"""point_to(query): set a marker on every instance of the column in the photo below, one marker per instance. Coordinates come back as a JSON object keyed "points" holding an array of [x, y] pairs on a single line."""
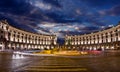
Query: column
{"points": [[3, 46], [118, 34]]}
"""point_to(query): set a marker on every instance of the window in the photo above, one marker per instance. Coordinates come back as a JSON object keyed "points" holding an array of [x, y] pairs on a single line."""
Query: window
{"points": [[6, 27], [1, 37], [1, 31]]}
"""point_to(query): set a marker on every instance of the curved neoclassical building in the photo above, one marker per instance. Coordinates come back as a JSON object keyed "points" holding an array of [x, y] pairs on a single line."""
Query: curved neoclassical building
{"points": [[13, 38], [105, 40], [16, 39]]}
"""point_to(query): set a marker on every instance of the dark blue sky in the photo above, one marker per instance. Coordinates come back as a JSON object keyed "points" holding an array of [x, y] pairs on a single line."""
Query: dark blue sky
{"points": [[61, 16]]}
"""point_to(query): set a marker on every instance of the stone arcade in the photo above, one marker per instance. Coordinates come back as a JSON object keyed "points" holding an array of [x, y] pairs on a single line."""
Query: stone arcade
{"points": [[104, 40], [17, 39]]}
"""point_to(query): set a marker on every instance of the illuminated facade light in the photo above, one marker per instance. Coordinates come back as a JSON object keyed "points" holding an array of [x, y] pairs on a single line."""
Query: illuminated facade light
{"points": [[14, 38], [98, 40]]}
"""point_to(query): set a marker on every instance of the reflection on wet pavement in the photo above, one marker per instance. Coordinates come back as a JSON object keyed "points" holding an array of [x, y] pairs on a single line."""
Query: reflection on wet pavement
{"points": [[105, 62]]}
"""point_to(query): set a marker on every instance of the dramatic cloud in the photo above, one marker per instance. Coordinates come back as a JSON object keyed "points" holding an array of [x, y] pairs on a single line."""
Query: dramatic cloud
{"points": [[101, 3], [114, 11], [52, 2], [61, 17]]}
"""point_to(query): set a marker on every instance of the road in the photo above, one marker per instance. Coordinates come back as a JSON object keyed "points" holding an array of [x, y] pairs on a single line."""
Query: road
{"points": [[107, 62]]}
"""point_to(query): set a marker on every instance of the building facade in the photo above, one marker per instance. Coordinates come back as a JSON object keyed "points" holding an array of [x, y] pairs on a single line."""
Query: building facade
{"points": [[103, 40], [16, 39]]}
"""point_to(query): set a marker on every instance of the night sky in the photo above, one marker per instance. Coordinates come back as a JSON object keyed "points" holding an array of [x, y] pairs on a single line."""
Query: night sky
{"points": [[61, 17]]}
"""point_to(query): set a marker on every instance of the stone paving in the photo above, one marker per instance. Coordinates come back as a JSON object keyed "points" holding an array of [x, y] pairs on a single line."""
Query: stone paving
{"points": [[107, 62]]}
